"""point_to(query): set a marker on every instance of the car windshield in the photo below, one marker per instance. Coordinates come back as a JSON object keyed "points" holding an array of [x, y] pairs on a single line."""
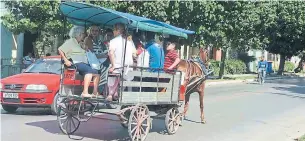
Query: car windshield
{"points": [[52, 66]]}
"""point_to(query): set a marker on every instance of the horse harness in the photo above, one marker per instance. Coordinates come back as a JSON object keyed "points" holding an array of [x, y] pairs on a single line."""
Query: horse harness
{"points": [[192, 81]]}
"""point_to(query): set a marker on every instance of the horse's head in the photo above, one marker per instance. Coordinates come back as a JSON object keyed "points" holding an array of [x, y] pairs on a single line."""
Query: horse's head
{"points": [[203, 55]]}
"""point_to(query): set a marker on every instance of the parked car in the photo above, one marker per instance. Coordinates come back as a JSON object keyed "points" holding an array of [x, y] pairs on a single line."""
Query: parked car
{"points": [[36, 86]]}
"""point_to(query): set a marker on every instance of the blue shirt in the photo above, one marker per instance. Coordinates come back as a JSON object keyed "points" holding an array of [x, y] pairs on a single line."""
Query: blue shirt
{"points": [[156, 55], [262, 64]]}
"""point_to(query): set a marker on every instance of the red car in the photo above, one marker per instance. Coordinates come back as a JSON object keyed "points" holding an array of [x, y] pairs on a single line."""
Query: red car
{"points": [[37, 86]]}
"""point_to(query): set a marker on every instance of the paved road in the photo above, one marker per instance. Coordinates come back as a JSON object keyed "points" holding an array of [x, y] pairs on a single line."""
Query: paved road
{"points": [[239, 112]]}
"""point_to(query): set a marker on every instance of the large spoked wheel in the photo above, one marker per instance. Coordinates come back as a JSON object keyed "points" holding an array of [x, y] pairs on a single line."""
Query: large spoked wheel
{"points": [[172, 120], [67, 116], [126, 115], [139, 123]]}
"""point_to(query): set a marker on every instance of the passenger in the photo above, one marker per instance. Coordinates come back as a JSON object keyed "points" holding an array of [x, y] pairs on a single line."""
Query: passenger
{"points": [[108, 36], [171, 58], [116, 55], [156, 53], [97, 46], [73, 51]]}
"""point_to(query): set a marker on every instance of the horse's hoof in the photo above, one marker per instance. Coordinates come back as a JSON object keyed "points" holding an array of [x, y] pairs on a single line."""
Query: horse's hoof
{"points": [[203, 121]]}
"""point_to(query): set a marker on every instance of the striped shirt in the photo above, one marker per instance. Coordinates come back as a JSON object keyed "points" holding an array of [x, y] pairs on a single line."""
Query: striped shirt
{"points": [[170, 58]]}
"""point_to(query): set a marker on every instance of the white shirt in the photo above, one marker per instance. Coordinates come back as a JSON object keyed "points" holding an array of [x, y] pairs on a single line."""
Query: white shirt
{"points": [[118, 46], [143, 59]]}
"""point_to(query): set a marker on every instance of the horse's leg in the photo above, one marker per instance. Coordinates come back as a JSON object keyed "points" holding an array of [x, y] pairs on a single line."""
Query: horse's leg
{"points": [[201, 96], [186, 104]]}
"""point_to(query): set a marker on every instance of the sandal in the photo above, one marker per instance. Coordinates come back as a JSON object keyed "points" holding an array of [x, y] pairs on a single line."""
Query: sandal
{"points": [[97, 96], [109, 98], [86, 95]]}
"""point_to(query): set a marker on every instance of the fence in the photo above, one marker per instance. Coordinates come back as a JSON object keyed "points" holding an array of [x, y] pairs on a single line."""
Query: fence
{"points": [[10, 66]]}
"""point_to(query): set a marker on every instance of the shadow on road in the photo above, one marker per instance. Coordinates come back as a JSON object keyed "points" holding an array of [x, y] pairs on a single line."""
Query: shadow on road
{"points": [[294, 86], [98, 129]]}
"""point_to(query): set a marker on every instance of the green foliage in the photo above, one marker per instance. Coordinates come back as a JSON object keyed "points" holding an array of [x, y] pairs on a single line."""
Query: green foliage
{"points": [[289, 66], [215, 65], [232, 66], [33, 16]]}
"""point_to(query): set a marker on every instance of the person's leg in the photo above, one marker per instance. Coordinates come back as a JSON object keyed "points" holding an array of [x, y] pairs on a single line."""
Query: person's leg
{"points": [[87, 80], [84, 69], [96, 80]]}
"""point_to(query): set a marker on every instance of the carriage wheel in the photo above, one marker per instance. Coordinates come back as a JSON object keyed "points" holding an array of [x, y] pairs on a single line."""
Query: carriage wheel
{"points": [[172, 120], [66, 116], [139, 123], [126, 115]]}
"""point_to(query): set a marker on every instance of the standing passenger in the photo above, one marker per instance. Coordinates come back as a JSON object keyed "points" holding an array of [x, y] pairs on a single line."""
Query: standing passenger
{"points": [[156, 53], [116, 55]]}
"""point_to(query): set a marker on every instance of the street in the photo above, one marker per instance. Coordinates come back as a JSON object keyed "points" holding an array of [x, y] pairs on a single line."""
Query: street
{"points": [[274, 111]]}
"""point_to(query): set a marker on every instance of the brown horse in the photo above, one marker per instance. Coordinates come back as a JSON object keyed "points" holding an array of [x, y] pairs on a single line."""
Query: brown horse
{"points": [[194, 80]]}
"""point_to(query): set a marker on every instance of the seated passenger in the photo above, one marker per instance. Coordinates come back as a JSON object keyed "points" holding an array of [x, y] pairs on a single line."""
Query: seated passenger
{"points": [[116, 56], [72, 52], [171, 58], [156, 53]]}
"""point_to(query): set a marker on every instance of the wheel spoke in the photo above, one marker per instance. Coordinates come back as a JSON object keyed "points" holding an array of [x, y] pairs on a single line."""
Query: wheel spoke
{"points": [[133, 129], [73, 124], [136, 133], [64, 116], [142, 129]]}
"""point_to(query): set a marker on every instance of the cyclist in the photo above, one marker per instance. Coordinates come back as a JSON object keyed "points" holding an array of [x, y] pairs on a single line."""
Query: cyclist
{"points": [[262, 66]]}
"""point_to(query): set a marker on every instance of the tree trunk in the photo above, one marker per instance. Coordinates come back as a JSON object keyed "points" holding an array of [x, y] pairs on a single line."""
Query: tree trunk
{"points": [[282, 64], [222, 64], [300, 66]]}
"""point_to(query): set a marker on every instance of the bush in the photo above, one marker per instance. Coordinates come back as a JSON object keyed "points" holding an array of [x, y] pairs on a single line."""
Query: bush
{"points": [[232, 66], [215, 65], [289, 66]]}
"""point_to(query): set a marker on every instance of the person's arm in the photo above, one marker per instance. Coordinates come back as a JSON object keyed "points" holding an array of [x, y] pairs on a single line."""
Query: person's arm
{"points": [[66, 61], [177, 61], [111, 56], [88, 43], [63, 50]]}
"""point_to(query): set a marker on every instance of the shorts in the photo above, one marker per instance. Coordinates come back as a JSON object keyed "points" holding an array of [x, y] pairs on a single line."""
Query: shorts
{"points": [[84, 69]]}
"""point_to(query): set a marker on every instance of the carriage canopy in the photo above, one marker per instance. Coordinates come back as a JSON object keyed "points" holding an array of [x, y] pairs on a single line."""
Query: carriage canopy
{"points": [[85, 14]]}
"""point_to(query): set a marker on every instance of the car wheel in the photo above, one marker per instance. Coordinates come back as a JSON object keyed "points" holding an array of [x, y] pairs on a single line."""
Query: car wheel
{"points": [[54, 104], [9, 108]]}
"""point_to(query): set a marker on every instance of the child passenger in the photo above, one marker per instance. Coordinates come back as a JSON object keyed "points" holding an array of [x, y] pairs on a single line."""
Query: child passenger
{"points": [[171, 58]]}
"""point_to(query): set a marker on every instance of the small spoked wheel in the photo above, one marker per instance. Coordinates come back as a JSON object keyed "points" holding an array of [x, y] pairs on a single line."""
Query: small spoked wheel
{"points": [[172, 120], [139, 123], [67, 116]]}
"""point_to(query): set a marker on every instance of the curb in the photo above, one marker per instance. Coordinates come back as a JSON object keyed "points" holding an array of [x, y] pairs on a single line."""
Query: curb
{"points": [[248, 80]]}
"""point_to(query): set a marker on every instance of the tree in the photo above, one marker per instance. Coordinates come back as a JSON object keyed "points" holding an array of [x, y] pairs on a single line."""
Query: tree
{"points": [[284, 28], [41, 17], [229, 25]]}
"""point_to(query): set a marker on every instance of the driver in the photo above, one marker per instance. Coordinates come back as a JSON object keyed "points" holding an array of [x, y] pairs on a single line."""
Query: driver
{"points": [[72, 52]]}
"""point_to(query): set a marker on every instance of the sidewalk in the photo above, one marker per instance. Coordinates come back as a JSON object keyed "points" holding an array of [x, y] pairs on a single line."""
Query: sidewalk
{"points": [[248, 78]]}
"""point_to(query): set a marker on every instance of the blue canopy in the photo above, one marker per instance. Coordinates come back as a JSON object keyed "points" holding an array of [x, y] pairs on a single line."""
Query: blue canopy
{"points": [[85, 14]]}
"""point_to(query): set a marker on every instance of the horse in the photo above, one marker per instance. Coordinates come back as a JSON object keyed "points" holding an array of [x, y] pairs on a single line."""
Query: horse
{"points": [[194, 80]]}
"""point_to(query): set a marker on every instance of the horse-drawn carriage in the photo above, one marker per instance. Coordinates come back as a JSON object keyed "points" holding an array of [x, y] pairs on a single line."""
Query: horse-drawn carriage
{"points": [[140, 90]]}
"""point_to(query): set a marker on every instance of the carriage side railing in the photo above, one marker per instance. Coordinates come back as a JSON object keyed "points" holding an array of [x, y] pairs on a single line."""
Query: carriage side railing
{"points": [[150, 86]]}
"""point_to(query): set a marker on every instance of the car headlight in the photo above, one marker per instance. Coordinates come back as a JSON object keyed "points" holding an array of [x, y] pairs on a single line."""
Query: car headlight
{"points": [[37, 87]]}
